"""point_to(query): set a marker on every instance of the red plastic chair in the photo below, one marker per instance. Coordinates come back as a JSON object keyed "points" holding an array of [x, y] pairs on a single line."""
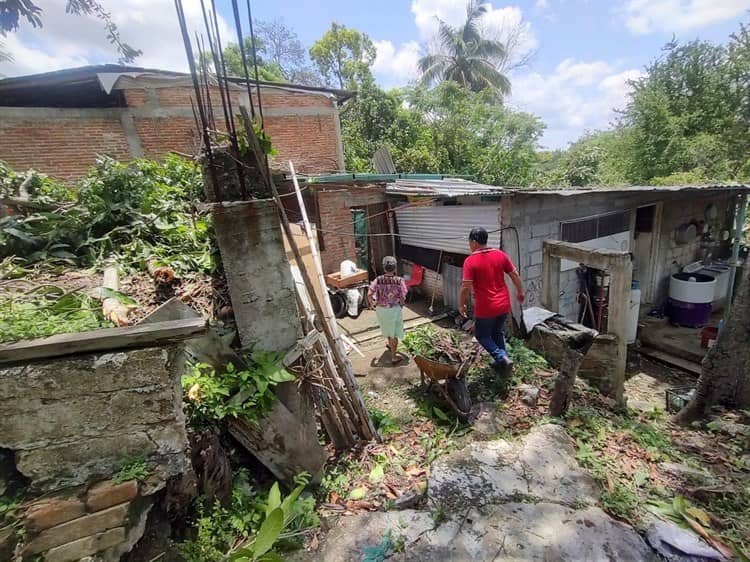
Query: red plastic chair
{"points": [[417, 274]]}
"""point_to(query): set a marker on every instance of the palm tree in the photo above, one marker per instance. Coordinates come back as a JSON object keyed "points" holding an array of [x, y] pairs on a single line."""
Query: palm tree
{"points": [[465, 56]]}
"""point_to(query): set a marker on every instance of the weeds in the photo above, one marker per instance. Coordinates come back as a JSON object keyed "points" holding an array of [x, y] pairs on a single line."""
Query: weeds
{"points": [[213, 396], [384, 423], [258, 523], [133, 469], [47, 311]]}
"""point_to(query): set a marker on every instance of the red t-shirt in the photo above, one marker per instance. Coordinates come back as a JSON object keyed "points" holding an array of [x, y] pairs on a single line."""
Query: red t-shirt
{"points": [[486, 269]]}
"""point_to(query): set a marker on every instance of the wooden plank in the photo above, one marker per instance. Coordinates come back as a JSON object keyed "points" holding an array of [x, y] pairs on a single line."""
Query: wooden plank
{"points": [[672, 360], [108, 339]]}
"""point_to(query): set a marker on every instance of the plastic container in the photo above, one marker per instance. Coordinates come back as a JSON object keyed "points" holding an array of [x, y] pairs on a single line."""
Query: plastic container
{"points": [[633, 312], [708, 336]]}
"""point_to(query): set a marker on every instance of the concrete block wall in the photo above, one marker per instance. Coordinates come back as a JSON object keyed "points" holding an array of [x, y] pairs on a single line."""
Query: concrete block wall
{"points": [[68, 425], [538, 218], [335, 209], [63, 143], [673, 256]]}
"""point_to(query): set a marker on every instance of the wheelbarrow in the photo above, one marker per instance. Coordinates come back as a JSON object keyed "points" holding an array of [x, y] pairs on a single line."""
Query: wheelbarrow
{"points": [[447, 381]]}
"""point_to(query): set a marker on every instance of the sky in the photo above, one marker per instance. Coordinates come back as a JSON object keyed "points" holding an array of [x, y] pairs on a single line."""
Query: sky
{"points": [[579, 54]]}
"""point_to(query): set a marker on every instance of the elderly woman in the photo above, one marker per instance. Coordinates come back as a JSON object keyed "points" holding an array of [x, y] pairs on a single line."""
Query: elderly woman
{"points": [[387, 294]]}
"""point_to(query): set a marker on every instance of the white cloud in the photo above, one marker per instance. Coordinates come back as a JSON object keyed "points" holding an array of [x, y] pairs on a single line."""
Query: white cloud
{"points": [[648, 16], [396, 66], [582, 73], [541, 4], [576, 97], [67, 40]]}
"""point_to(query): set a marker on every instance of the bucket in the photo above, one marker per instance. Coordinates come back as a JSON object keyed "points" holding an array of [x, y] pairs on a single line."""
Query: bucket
{"points": [[708, 336]]}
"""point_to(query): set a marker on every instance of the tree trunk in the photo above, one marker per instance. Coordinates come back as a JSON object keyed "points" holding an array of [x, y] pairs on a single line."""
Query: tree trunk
{"points": [[725, 378], [573, 354]]}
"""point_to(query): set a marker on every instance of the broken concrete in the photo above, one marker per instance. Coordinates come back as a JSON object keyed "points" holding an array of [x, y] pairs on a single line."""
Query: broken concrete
{"points": [[498, 500], [513, 531], [541, 466]]}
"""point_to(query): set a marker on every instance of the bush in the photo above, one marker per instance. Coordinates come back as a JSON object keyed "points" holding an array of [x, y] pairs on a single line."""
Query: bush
{"points": [[135, 213]]}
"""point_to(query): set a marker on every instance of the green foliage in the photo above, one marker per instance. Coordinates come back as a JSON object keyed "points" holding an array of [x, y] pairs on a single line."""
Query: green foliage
{"points": [[466, 57], [268, 522], [419, 341], [344, 56], [137, 212], [212, 396], [525, 361], [133, 469], [46, 311], [384, 423], [384, 549], [448, 129]]}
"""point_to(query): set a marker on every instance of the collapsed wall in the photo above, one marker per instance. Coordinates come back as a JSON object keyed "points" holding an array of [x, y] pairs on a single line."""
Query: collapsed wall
{"points": [[69, 425]]}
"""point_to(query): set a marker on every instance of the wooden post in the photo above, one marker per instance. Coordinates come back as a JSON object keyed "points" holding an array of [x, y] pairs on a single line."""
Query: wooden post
{"points": [[574, 350], [621, 278], [550, 279]]}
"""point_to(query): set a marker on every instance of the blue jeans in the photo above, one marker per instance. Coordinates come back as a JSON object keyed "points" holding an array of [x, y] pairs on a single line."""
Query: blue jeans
{"points": [[489, 333]]}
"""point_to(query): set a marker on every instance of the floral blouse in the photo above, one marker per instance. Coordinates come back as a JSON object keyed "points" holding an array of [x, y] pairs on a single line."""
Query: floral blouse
{"points": [[388, 291]]}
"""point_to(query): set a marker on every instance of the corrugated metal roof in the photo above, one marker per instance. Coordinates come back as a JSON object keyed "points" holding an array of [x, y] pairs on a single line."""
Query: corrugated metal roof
{"points": [[455, 187], [90, 72], [446, 227]]}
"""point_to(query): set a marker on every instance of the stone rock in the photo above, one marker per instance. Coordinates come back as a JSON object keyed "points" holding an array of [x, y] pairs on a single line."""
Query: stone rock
{"points": [[72, 420], [686, 472], [529, 394], [485, 416], [78, 528], [8, 540], [53, 511], [513, 531], [676, 544], [78, 549], [731, 428], [541, 465]]}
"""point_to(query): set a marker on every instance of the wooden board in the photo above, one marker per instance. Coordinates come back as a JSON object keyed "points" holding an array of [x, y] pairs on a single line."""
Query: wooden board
{"points": [[108, 339], [335, 280], [669, 359]]}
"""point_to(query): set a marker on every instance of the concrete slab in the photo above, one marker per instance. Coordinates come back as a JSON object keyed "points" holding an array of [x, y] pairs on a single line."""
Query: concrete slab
{"points": [[541, 466], [514, 531], [684, 343]]}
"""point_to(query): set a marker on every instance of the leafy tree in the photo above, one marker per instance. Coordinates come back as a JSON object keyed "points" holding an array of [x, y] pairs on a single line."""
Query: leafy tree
{"points": [[465, 57], [344, 56], [448, 129], [233, 61], [11, 11], [688, 114], [281, 48]]}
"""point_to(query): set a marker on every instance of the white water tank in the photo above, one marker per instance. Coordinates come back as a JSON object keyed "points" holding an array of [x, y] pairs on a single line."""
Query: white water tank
{"points": [[634, 308]]}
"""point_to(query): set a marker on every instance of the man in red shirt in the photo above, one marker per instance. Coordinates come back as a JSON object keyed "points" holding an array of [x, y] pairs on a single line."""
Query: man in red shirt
{"points": [[484, 275]]}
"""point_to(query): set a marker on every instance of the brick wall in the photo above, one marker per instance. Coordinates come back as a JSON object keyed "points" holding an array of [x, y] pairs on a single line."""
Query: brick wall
{"points": [[335, 206], [60, 145], [64, 143]]}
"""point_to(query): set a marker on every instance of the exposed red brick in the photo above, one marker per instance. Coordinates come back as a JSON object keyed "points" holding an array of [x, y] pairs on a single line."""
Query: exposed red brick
{"points": [[106, 494], [53, 511], [86, 546], [78, 528]]}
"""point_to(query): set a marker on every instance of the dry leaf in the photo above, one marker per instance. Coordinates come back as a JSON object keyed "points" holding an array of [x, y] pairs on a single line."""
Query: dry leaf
{"points": [[314, 543], [726, 551], [333, 497], [575, 422], [415, 471], [700, 515], [390, 492]]}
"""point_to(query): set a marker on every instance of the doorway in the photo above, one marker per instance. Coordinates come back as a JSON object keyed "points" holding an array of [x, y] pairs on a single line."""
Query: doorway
{"points": [[645, 248], [361, 246]]}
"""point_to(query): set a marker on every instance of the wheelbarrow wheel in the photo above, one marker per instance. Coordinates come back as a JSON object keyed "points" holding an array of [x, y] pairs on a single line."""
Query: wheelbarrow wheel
{"points": [[338, 304], [460, 395]]}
